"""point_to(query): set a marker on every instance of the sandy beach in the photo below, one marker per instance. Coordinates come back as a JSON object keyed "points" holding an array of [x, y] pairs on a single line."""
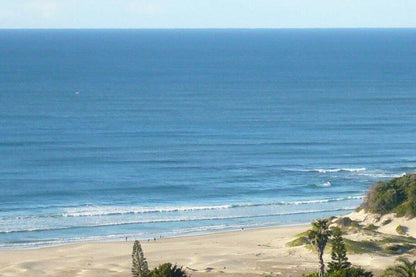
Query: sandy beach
{"points": [[240, 253]]}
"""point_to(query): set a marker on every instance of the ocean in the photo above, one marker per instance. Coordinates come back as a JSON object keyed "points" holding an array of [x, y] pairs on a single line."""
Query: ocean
{"points": [[158, 133]]}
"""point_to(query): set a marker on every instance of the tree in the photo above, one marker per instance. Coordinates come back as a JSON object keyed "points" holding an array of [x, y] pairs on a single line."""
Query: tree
{"points": [[339, 253], [139, 266], [168, 270], [319, 236], [402, 268]]}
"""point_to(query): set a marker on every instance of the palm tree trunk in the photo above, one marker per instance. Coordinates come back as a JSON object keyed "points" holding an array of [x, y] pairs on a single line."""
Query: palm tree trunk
{"points": [[321, 263]]}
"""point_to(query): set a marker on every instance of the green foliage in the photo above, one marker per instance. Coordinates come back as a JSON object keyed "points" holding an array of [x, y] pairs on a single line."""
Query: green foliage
{"points": [[397, 195], [401, 230], [339, 259], [315, 274], [319, 236], [349, 272], [139, 266], [167, 270], [402, 268], [398, 239], [398, 249], [371, 227], [359, 247], [298, 242]]}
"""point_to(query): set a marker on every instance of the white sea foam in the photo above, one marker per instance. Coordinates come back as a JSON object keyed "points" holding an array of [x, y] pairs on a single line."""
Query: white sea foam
{"points": [[171, 220], [334, 170], [323, 185], [97, 211], [118, 210], [378, 174]]}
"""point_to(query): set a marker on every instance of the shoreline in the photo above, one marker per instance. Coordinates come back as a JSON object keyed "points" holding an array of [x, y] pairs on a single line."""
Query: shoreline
{"points": [[251, 252], [121, 238]]}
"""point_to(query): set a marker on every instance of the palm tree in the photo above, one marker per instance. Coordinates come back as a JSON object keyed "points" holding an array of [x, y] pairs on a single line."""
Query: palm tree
{"points": [[319, 236], [403, 268]]}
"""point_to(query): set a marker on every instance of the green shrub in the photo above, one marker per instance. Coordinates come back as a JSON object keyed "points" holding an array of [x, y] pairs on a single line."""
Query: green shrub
{"points": [[298, 242], [395, 196], [401, 230], [371, 227], [398, 240], [402, 267], [315, 274], [167, 270], [350, 272], [398, 249], [359, 247]]}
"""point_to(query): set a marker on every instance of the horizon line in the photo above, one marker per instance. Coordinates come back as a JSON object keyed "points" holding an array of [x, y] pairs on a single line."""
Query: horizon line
{"points": [[212, 28]]}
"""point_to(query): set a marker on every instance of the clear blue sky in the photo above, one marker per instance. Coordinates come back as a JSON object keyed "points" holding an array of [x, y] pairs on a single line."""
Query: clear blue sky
{"points": [[206, 13]]}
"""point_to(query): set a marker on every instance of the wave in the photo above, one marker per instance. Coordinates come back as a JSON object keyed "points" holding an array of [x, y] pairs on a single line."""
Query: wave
{"points": [[382, 175], [111, 210], [170, 220], [335, 170], [323, 185], [327, 170], [97, 211]]}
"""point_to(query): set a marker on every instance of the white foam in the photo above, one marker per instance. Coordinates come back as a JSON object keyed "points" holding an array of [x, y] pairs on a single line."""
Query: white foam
{"points": [[324, 185], [178, 219], [382, 174], [334, 170], [117, 210]]}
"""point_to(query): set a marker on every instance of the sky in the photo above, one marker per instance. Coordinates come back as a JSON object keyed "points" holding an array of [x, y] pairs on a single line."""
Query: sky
{"points": [[207, 13]]}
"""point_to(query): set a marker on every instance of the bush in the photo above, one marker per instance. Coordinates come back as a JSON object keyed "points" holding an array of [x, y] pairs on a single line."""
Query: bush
{"points": [[350, 272], [397, 195], [371, 227], [298, 241], [344, 221], [398, 249], [401, 230], [168, 270], [359, 247]]}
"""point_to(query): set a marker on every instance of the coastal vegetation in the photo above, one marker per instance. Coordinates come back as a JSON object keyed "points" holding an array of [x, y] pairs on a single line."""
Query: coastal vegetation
{"points": [[402, 268], [167, 270], [319, 236], [361, 236], [395, 196], [401, 230], [140, 267], [339, 253], [339, 266], [371, 242]]}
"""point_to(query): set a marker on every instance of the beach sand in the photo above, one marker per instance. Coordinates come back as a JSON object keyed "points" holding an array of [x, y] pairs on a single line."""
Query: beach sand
{"points": [[239, 253]]}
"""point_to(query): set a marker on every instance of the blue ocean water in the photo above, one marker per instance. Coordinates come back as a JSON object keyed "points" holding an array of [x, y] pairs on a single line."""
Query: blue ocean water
{"points": [[147, 133]]}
